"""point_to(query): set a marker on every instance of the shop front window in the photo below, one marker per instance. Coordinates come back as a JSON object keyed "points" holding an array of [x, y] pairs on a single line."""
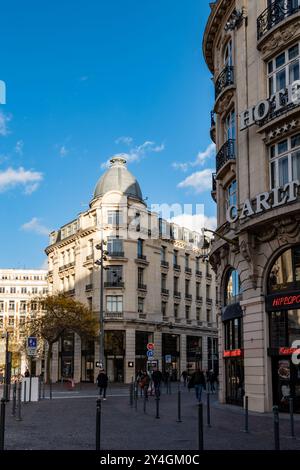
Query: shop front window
{"points": [[233, 334]]}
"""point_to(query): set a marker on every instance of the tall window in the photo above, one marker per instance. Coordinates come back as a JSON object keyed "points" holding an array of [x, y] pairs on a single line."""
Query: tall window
{"points": [[140, 245], [187, 287], [1, 306], [114, 274], [197, 264], [285, 272], [198, 290], [233, 334], [285, 161], [283, 70], [164, 309], [114, 245], [114, 217], [175, 257], [176, 310], [233, 287], [231, 197], [187, 261], [187, 312], [228, 56], [140, 305], [114, 303], [163, 281], [175, 284], [11, 305], [140, 276], [198, 313], [229, 126], [163, 253]]}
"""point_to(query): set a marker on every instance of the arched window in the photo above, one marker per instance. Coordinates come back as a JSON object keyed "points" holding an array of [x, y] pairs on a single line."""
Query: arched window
{"points": [[285, 272], [232, 287], [228, 60]]}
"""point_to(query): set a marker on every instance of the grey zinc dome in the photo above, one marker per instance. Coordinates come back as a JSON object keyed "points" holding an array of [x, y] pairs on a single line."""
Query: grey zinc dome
{"points": [[118, 178]]}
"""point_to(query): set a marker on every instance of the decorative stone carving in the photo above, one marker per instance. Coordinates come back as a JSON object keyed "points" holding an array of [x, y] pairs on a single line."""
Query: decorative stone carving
{"points": [[224, 102], [285, 230], [280, 37], [247, 250]]}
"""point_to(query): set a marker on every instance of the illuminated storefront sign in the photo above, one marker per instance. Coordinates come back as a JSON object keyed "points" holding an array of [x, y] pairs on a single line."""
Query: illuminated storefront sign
{"points": [[283, 301], [264, 202], [277, 102], [288, 351], [233, 353]]}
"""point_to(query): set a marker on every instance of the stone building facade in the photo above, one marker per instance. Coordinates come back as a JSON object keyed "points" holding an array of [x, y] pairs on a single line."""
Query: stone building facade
{"points": [[157, 286], [252, 49], [18, 288]]}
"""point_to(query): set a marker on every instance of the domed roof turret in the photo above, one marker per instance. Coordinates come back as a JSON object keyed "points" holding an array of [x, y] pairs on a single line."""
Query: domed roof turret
{"points": [[118, 178]]}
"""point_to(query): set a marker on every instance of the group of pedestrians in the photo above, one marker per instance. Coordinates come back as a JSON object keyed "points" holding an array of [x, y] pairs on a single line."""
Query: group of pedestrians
{"points": [[200, 382], [149, 382]]}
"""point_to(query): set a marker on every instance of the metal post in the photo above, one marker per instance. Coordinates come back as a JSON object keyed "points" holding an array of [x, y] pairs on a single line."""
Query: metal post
{"points": [[179, 406], [30, 387], [50, 389], [44, 389], [157, 408], [276, 428], [291, 402], [2, 423], [145, 403], [101, 313], [19, 417], [6, 395], [98, 424], [25, 394], [246, 415], [135, 395], [200, 427], [208, 409], [131, 394], [14, 403]]}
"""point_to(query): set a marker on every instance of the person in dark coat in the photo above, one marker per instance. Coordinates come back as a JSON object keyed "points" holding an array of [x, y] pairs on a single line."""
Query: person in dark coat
{"points": [[102, 381], [184, 376], [198, 381], [157, 379]]}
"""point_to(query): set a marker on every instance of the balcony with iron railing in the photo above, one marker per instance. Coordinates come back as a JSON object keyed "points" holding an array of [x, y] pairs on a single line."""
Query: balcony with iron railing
{"points": [[114, 284], [212, 126], [142, 286], [176, 267], [164, 291], [113, 315], [274, 14], [214, 187], [226, 154], [88, 287], [224, 80], [188, 270], [188, 296], [115, 254], [164, 264], [177, 294]]}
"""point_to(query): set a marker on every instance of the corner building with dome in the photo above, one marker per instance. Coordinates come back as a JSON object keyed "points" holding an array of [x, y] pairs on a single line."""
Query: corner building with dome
{"points": [[158, 287], [252, 48]]}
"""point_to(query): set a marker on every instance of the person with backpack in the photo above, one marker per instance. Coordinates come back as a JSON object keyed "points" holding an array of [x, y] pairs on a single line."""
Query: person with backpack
{"points": [[198, 382]]}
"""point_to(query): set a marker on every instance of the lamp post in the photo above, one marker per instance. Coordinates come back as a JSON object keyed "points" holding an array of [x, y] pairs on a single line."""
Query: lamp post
{"points": [[7, 364], [99, 262]]}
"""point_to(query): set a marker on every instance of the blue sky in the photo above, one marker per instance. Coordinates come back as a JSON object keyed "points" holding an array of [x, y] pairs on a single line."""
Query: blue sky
{"points": [[89, 79]]}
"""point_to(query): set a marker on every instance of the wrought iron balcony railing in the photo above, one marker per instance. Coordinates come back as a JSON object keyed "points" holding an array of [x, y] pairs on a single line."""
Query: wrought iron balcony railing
{"points": [[226, 152], [225, 79], [276, 12], [114, 284], [212, 119], [214, 182], [88, 287], [116, 254], [164, 291], [164, 264], [176, 267]]}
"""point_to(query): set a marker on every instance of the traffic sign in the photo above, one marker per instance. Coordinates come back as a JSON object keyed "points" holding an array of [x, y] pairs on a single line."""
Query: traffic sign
{"points": [[168, 358], [150, 353], [150, 346], [31, 342], [31, 351]]}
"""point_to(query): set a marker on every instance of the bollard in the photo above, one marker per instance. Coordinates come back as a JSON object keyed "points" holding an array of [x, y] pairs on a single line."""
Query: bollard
{"points": [[25, 392], [131, 395], [98, 424], [179, 405], [2, 423], [19, 417], [291, 402], [200, 426], [145, 403], [30, 384], [276, 428], [135, 396], [50, 384], [44, 385], [208, 409], [157, 408], [246, 415], [13, 410], [40, 388]]}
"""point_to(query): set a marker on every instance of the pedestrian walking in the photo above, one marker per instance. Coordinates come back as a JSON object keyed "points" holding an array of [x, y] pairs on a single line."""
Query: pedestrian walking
{"points": [[212, 379], [184, 376], [102, 381], [157, 379], [27, 373], [198, 382]]}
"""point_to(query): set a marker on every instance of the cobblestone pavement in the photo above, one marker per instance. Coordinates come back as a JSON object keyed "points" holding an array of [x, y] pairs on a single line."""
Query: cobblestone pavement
{"points": [[68, 422]]}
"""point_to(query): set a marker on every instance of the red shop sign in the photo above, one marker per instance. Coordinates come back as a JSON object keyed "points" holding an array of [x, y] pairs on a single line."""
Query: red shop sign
{"points": [[233, 353], [288, 351], [283, 301]]}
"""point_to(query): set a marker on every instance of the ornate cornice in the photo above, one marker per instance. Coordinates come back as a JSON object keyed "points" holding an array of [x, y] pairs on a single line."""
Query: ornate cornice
{"points": [[215, 21], [280, 36]]}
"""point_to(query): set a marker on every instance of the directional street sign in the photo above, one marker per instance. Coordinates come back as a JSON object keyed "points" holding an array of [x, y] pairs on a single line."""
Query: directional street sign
{"points": [[31, 342], [150, 353], [150, 346]]}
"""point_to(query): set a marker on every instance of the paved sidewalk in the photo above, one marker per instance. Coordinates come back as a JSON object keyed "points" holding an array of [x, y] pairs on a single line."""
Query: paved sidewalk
{"points": [[70, 424]]}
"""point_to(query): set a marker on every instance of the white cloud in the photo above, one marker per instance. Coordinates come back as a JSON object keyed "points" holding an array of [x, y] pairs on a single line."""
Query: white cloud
{"points": [[35, 226], [195, 222], [138, 152], [200, 160], [19, 147], [63, 151], [11, 177], [4, 119], [124, 140], [200, 181]]}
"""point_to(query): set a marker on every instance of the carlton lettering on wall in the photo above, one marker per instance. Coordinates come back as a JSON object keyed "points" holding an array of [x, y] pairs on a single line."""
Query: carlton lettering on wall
{"points": [[280, 100], [264, 202]]}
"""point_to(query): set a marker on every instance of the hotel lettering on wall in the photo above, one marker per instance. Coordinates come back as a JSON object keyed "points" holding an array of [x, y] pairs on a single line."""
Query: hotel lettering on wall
{"points": [[280, 100], [264, 201]]}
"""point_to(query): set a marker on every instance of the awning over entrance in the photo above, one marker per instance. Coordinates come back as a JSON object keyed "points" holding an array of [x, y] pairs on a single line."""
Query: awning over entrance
{"points": [[232, 311]]}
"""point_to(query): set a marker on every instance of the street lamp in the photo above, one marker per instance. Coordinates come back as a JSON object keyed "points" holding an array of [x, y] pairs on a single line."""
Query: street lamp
{"points": [[226, 239], [99, 262], [7, 365]]}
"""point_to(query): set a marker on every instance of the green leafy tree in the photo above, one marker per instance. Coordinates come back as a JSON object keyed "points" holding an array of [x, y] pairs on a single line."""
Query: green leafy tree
{"points": [[60, 314]]}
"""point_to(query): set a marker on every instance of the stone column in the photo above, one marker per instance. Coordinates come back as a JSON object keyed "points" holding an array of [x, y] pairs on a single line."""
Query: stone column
{"points": [[77, 359], [158, 348], [129, 372], [183, 364]]}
